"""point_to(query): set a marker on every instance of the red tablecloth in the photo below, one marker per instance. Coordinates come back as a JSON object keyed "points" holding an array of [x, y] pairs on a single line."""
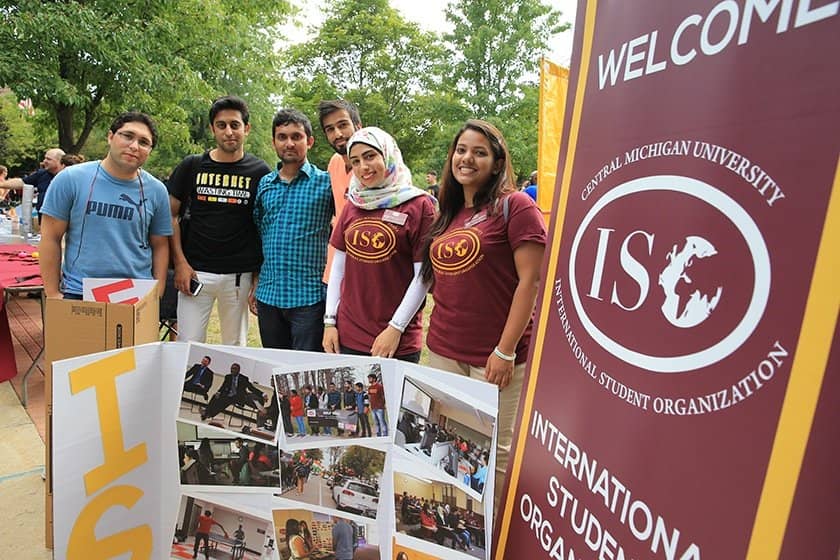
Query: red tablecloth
{"points": [[16, 269]]}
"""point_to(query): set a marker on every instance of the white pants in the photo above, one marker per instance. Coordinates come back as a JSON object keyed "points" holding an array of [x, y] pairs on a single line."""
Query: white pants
{"points": [[194, 311]]}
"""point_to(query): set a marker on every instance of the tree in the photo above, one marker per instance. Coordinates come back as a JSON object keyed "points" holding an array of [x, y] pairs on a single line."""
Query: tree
{"points": [[366, 463], [367, 53], [495, 44], [85, 61], [20, 148]]}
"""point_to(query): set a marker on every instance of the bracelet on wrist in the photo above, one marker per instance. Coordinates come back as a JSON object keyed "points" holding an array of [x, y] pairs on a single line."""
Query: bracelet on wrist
{"points": [[329, 325], [502, 355]]}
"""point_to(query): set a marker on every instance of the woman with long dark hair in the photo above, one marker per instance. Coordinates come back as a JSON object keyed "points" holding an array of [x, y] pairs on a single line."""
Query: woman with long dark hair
{"points": [[296, 542], [374, 290], [483, 257]]}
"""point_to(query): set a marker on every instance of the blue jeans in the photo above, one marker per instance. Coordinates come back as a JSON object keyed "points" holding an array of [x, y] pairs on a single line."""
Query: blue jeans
{"points": [[379, 418], [294, 328], [301, 427]]}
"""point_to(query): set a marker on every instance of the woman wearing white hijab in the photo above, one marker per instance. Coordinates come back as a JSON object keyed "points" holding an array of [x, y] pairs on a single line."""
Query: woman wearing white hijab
{"points": [[374, 290]]}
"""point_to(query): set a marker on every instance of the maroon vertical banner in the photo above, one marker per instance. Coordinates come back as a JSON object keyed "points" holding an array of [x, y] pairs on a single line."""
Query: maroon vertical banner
{"points": [[683, 400]]}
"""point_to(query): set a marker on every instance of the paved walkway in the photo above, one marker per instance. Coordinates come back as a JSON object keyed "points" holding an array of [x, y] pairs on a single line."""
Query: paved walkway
{"points": [[21, 444]]}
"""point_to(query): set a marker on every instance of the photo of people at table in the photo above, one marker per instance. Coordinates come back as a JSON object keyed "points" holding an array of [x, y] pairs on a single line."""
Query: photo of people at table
{"points": [[229, 391], [213, 457], [205, 529], [346, 478], [439, 513], [442, 431], [337, 403], [301, 533]]}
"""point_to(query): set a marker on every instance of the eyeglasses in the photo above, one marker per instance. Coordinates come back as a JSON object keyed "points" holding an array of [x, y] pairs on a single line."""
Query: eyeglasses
{"points": [[129, 138]]}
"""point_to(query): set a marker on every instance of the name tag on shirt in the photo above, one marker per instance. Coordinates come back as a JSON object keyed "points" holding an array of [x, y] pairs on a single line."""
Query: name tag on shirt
{"points": [[477, 219], [395, 217]]}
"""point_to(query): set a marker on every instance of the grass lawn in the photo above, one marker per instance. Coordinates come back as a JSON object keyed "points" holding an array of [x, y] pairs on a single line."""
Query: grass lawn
{"points": [[214, 335]]}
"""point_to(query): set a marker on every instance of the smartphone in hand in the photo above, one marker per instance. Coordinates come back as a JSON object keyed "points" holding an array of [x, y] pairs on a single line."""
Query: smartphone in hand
{"points": [[195, 286]]}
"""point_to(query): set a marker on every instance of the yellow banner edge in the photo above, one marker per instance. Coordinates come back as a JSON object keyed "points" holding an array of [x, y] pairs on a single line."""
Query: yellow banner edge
{"points": [[548, 286], [803, 391]]}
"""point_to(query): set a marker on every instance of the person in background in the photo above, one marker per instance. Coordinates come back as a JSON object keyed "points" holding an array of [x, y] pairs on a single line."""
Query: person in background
{"points": [[235, 389], [344, 543], [378, 240], [348, 397], [362, 406], [239, 535], [113, 204], [432, 183], [199, 378], [41, 179], [376, 395], [205, 523], [214, 237], [285, 410], [205, 455], [293, 210], [339, 119], [531, 186], [6, 196], [498, 273], [307, 536], [333, 404], [310, 402], [297, 411], [72, 159], [297, 546]]}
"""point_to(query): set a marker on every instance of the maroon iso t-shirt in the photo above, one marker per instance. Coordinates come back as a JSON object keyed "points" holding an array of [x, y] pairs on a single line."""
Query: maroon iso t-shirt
{"points": [[475, 278], [382, 247]]}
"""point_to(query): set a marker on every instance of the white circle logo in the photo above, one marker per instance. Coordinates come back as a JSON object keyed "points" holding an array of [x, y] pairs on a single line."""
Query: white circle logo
{"points": [[685, 312]]}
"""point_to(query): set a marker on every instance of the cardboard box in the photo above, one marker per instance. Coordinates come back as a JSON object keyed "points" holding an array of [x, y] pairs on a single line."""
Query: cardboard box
{"points": [[75, 328]]}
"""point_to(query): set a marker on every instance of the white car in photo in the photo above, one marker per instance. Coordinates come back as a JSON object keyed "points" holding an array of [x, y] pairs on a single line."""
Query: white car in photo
{"points": [[356, 496]]}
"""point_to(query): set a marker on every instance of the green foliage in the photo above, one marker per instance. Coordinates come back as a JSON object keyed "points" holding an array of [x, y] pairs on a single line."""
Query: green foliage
{"points": [[367, 53], [519, 125], [494, 45], [366, 463], [19, 149], [84, 62]]}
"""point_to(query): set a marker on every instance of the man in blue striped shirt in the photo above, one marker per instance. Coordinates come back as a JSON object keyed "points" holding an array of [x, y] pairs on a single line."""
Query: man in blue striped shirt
{"points": [[293, 209]]}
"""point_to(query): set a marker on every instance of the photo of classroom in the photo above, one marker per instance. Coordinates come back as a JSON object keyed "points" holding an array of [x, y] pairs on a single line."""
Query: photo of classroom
{"points": [[439, 513], [230, 392], [209, 530], [444, 432], [318, 536], [345, 402], [346, 478], [213, 457]]}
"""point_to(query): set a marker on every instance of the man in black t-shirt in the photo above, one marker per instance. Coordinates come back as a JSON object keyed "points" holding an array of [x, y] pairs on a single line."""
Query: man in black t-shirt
{"points": [[217, 244]]}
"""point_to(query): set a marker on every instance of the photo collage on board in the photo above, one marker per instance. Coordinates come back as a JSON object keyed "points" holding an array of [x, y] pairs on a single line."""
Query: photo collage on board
{"points": [[345, 450]]}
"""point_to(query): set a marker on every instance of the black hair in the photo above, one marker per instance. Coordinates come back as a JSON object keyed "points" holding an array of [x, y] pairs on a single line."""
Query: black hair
{"points": [[292, 528], [291, 116], [135, 116], [328, 107], [230, 102]]}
